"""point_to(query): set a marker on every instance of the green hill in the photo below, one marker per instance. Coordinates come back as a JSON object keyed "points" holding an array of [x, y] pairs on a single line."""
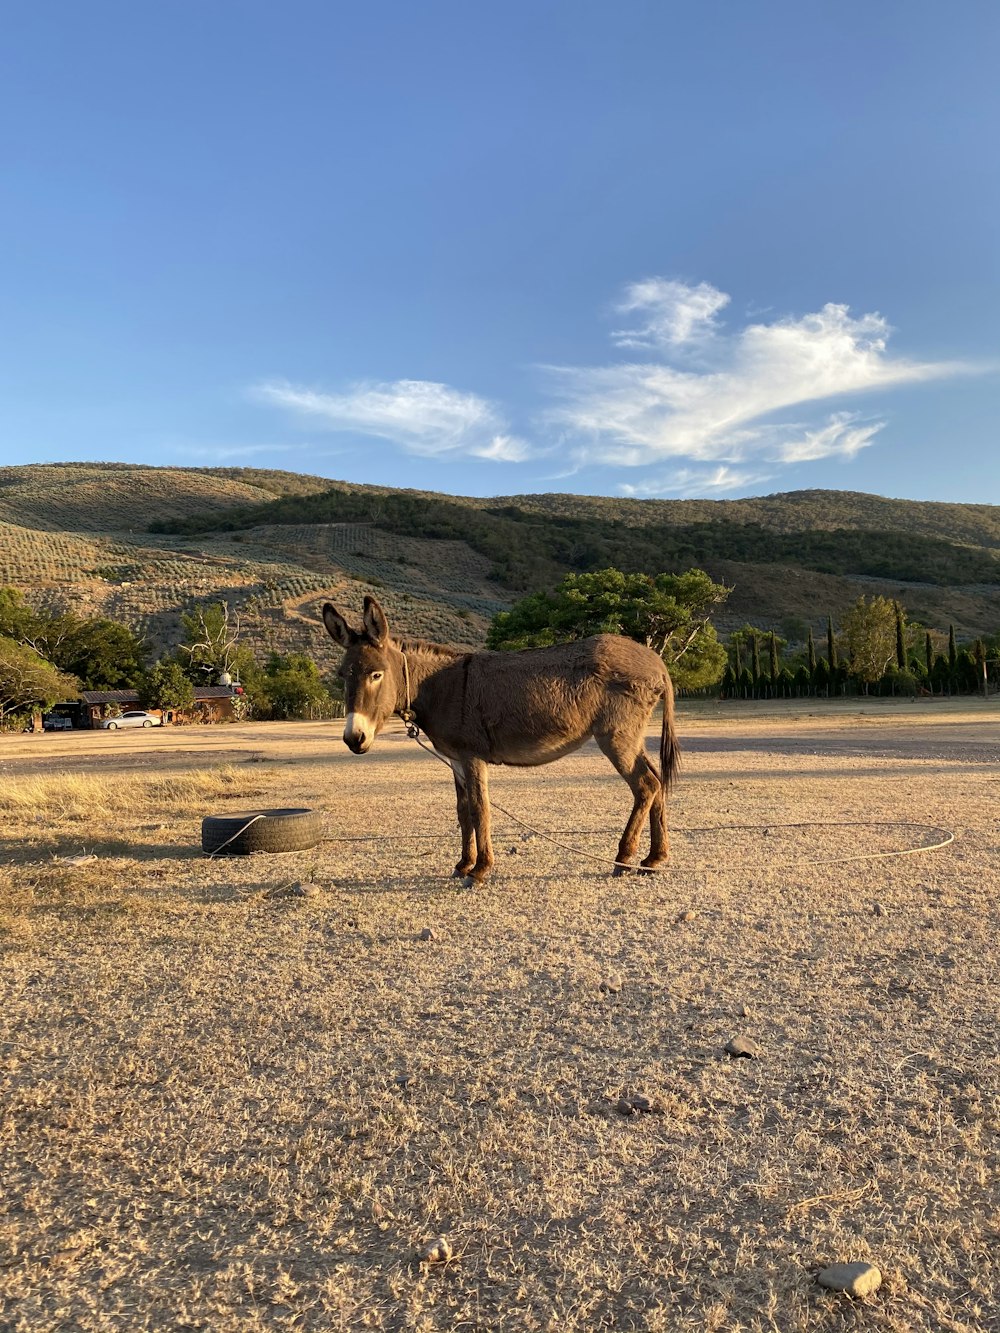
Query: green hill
{"points": [[142, 544]]}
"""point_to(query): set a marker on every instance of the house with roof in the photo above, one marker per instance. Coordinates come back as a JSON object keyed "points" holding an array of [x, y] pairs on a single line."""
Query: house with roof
{"points": [[212, 703]]}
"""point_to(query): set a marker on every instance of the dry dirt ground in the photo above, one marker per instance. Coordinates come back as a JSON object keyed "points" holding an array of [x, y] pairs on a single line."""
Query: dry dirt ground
{"points": [[225, 1110]]}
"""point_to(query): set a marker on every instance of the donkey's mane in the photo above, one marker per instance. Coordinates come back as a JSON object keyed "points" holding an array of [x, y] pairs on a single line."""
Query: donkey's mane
{"points": [[427, 647]]}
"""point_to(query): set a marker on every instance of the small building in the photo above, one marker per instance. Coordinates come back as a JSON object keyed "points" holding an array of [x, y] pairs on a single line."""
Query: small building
{"points": [[212, 703]]}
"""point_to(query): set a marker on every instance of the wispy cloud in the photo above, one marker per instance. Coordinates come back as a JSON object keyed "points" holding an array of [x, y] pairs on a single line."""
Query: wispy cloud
{"points": [[225, 452], [673, 312], [695, 481], [690, 403], [727, 407], [420, 416]]}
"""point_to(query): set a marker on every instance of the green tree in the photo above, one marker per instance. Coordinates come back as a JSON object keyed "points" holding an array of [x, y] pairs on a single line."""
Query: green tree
{"points": [[929, 654], [811, 653], [900, 637], [952, 649], [668, 612], [28, 681], [17, 620], [831, 646], [166, 685], [979, 652], [103, 654], [773, 659], [295, 687], [869, 632]]}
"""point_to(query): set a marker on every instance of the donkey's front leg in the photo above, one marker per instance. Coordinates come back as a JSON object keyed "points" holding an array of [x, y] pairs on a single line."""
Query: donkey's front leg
{"points": [[478, 795], [464, 822]]}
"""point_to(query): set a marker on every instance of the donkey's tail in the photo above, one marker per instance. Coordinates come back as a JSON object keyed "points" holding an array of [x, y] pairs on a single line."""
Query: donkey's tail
{"points": [[670, 749]]}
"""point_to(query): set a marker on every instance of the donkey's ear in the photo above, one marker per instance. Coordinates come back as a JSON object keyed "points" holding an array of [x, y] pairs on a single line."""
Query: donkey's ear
{"points": [[337, 627], [376, 625]]}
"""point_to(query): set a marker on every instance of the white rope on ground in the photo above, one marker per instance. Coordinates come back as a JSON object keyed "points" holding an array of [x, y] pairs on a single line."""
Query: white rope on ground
{"points": [[413, 732], [234, 837]]}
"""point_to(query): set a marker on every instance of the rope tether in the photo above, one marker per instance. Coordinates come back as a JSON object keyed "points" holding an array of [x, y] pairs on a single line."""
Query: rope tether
{"points": [[413, 731], [238, 832]]}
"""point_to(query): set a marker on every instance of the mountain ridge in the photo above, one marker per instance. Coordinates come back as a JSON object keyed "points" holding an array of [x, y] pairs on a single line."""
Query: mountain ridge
{"points": [[76, 536]]}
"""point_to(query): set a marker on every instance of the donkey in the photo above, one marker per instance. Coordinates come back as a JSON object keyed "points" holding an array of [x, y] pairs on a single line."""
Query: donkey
{"points": [[522, 708]]}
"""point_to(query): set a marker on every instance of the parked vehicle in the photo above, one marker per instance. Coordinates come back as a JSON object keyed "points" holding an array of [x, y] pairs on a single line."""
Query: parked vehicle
{"points": [[132, 719], [56, 722]]}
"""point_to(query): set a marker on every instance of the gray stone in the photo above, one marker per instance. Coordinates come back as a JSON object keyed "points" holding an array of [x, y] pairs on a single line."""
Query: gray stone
{"points": [[611, 984], [427, 934], [857, 1279], [301, 889], [437, 1251], [878, 909], [742, 1048], [636, 1104]]}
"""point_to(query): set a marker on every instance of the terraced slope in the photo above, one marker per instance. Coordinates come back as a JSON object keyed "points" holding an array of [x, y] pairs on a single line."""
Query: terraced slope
{"points": [[73, 537], [102, 497], [276, 545]]}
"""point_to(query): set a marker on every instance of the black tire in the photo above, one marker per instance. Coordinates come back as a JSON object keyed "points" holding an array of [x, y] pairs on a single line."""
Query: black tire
{"points": [[270, 831]]}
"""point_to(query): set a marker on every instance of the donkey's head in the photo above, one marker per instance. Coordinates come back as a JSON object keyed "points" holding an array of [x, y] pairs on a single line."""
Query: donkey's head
{"points": [[372, 672]]}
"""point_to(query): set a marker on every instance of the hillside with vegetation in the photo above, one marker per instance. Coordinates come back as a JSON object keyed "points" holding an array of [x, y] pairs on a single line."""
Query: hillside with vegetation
{"points": [[143, 545]]}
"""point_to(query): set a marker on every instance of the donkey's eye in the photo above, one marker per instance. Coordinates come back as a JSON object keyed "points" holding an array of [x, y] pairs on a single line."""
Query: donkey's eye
{"points": [[376, 676]]}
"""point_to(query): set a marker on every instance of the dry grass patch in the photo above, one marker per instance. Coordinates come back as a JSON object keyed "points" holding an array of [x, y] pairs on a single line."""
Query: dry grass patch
{"points": [[93, 796]]}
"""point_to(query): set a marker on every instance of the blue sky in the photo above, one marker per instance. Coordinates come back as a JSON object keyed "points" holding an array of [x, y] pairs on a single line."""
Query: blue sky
{"points": [[645, 248]]}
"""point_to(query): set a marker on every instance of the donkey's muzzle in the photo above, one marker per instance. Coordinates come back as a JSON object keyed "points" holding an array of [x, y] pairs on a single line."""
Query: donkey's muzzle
{"points": [[359, 732]]}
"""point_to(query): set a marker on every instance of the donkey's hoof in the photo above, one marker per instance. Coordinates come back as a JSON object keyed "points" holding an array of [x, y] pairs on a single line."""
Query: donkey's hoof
{"points": [[651, 867], [462, 871], [620, 870]]}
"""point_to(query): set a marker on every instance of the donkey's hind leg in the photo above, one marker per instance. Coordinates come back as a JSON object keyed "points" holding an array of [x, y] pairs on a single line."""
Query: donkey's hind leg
{"points": [[628, 754], [659, 836], [478, 794], [464, 822]]}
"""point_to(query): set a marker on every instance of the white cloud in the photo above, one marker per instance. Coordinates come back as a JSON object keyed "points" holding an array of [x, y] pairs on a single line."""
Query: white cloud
{"points": [[727, 409], [225, 452], [839, 436], [675, 313], [420, 416], [694, 481], [695, 405]]}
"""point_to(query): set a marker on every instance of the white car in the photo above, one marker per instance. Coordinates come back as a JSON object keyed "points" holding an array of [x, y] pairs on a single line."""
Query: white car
{"points": [[134, 719]]}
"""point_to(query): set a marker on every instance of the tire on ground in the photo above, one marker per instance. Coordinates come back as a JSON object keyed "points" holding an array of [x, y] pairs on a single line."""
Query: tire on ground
{"points": [[294, 830]]}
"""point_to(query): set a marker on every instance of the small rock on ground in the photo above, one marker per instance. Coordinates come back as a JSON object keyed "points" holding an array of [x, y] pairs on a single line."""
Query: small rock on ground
{"points": [[611, 984], [742, 1048], [427, 934], [857, 1279], [437, 1251], [301, 889], [636, 1104]]}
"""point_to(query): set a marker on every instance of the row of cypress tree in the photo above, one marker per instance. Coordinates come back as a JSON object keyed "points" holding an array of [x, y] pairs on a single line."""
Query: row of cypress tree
{"points": [[755, 669]]}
